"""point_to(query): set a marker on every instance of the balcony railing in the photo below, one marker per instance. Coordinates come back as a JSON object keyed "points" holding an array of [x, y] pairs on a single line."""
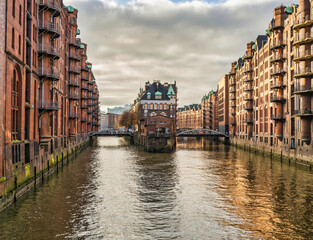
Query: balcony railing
{"points": [[277, 117], [52, 4], [83, 119], [48, 105], [74, 69], [303, 72], [278, 44], [49, 26], [74, 115], [303, 112], [74, 96], [85, 68], [232, 90], [248, 69], [75, 56], [75, 42], [49, 73], [278, 71], [248, 88], [248, 97], [84, 96], [300, 89], [303, 55], [278, 84], [249, 108], [84, 87], [248, 79], [278, 57], [303, 22], [274, 25], [277, 99], [303, 38], [248, 120], [74, 83], [49, 49], [232, 83], [84, 105], [84, 77]]}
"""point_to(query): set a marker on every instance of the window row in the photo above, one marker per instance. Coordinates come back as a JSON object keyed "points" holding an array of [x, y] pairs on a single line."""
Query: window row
{"points": [[156, 106]]}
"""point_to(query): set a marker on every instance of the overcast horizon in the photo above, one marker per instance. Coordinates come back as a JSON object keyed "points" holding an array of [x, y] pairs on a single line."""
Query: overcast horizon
{"points": [[192, 42]]}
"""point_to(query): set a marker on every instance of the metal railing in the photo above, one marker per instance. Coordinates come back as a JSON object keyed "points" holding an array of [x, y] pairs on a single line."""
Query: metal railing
{"points": [[75, 42], [278, 57], [276, 71], [49, 26], [248, 120], [51, 4], [277, 117], [305, 111], [74, 69], [303, 54], [278, 84], [48, 72], [303, 71], [74, 96], [47, 48], [48, 105], [74, 82], [277, 99], [303, 37], [75, 55], [301, 88], [278, 44], [74, 115], [275, 25]]}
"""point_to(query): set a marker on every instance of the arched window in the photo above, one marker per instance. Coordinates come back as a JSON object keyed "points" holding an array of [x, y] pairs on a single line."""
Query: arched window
{"points": [[15, 105], [161, 106], [165, 106], [146, 105], [151, 106], [156, 106]]}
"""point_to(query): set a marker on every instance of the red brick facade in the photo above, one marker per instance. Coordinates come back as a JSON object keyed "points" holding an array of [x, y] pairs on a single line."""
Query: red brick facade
{"points": [[48, 95]]}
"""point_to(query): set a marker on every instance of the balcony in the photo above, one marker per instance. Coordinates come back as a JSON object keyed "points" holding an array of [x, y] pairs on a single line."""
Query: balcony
{"points": [[74, 115], [278, 71], [303, 38], [74, 83], [84, 87], [49, 73], [278, 57], [248, 120], [303, 72], [84, 96], [232, 83], [248, 88], [85, 68], [75, 56], [74, 96], [51, 5], [303, 113], [49, 27], [303, 90], [248, 79], [303, 22], [233, 105], [278, 44], [83, 119], [277, 117], [84, 77], [248, 98], [49, 50], [274, 26], [248, 55], [232, 72], [233, 112], [48, 106], [84, 105], [75, 42], [74, 69], [303, 55], [248, 69], [248, 108], [232, 90], [233, 123], [278, 84], [277, 99]]}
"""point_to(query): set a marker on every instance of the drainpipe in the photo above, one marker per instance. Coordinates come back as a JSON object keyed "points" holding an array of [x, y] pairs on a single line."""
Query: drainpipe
{"points": [[5, 82]]}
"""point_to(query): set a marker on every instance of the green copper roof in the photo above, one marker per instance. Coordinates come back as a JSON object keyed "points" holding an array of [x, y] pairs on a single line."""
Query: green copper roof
{"points": [[96, 87], [236, 66], [170, 91], [158, 93], [89, 66], [289, 10], [82, 46], [149, 93], [254, 47], [78, 31], [295, 5], [70, 9], [93, 80], [268, 32]]}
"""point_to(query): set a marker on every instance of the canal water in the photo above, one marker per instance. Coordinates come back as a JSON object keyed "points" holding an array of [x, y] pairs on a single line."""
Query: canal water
{"points": [[203, 190]]}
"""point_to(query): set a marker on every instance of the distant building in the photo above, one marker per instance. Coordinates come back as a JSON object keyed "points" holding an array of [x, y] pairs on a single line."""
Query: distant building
{"points": [[223, 105], [108, 121]]}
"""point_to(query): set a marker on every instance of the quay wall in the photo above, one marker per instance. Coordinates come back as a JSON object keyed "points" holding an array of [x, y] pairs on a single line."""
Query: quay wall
{"points": [[29, 175]]}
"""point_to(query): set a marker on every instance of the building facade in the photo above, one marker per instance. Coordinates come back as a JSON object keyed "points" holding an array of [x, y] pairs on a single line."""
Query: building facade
{"points": [[49, 98]]}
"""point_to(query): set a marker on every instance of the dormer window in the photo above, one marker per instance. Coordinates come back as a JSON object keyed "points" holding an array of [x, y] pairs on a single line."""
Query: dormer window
{"points": [[158, 95], [148, 95]]}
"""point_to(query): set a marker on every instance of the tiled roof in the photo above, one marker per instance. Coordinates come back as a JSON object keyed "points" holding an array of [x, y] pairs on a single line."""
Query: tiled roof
{"points": [[153, 89]]}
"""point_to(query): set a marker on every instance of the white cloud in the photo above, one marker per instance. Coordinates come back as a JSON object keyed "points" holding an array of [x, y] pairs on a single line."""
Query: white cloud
{"points": [[192, 42]]}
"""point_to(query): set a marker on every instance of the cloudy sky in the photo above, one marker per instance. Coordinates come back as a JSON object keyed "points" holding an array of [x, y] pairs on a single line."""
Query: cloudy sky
{"points": [[192, 42]]}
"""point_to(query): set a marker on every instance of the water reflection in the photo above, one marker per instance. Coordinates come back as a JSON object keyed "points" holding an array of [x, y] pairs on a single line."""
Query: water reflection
{"points": [[204, 190]]}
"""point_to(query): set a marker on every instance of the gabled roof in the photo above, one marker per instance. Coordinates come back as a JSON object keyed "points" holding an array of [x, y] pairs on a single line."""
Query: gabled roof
{"points": [[153, 89], [170, 91]]}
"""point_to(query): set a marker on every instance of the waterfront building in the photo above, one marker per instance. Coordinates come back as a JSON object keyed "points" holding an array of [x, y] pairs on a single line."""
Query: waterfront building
{"points": [[271, 86], [156, 109], [223, 105], [209, 111], [49, 101]]}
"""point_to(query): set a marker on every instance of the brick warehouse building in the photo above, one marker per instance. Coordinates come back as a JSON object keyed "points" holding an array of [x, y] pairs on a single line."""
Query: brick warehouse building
{"points": [[49, 101]]}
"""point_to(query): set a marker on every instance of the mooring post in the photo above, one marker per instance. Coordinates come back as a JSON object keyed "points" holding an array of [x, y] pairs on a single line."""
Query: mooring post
{"points": [[35, 175]]}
